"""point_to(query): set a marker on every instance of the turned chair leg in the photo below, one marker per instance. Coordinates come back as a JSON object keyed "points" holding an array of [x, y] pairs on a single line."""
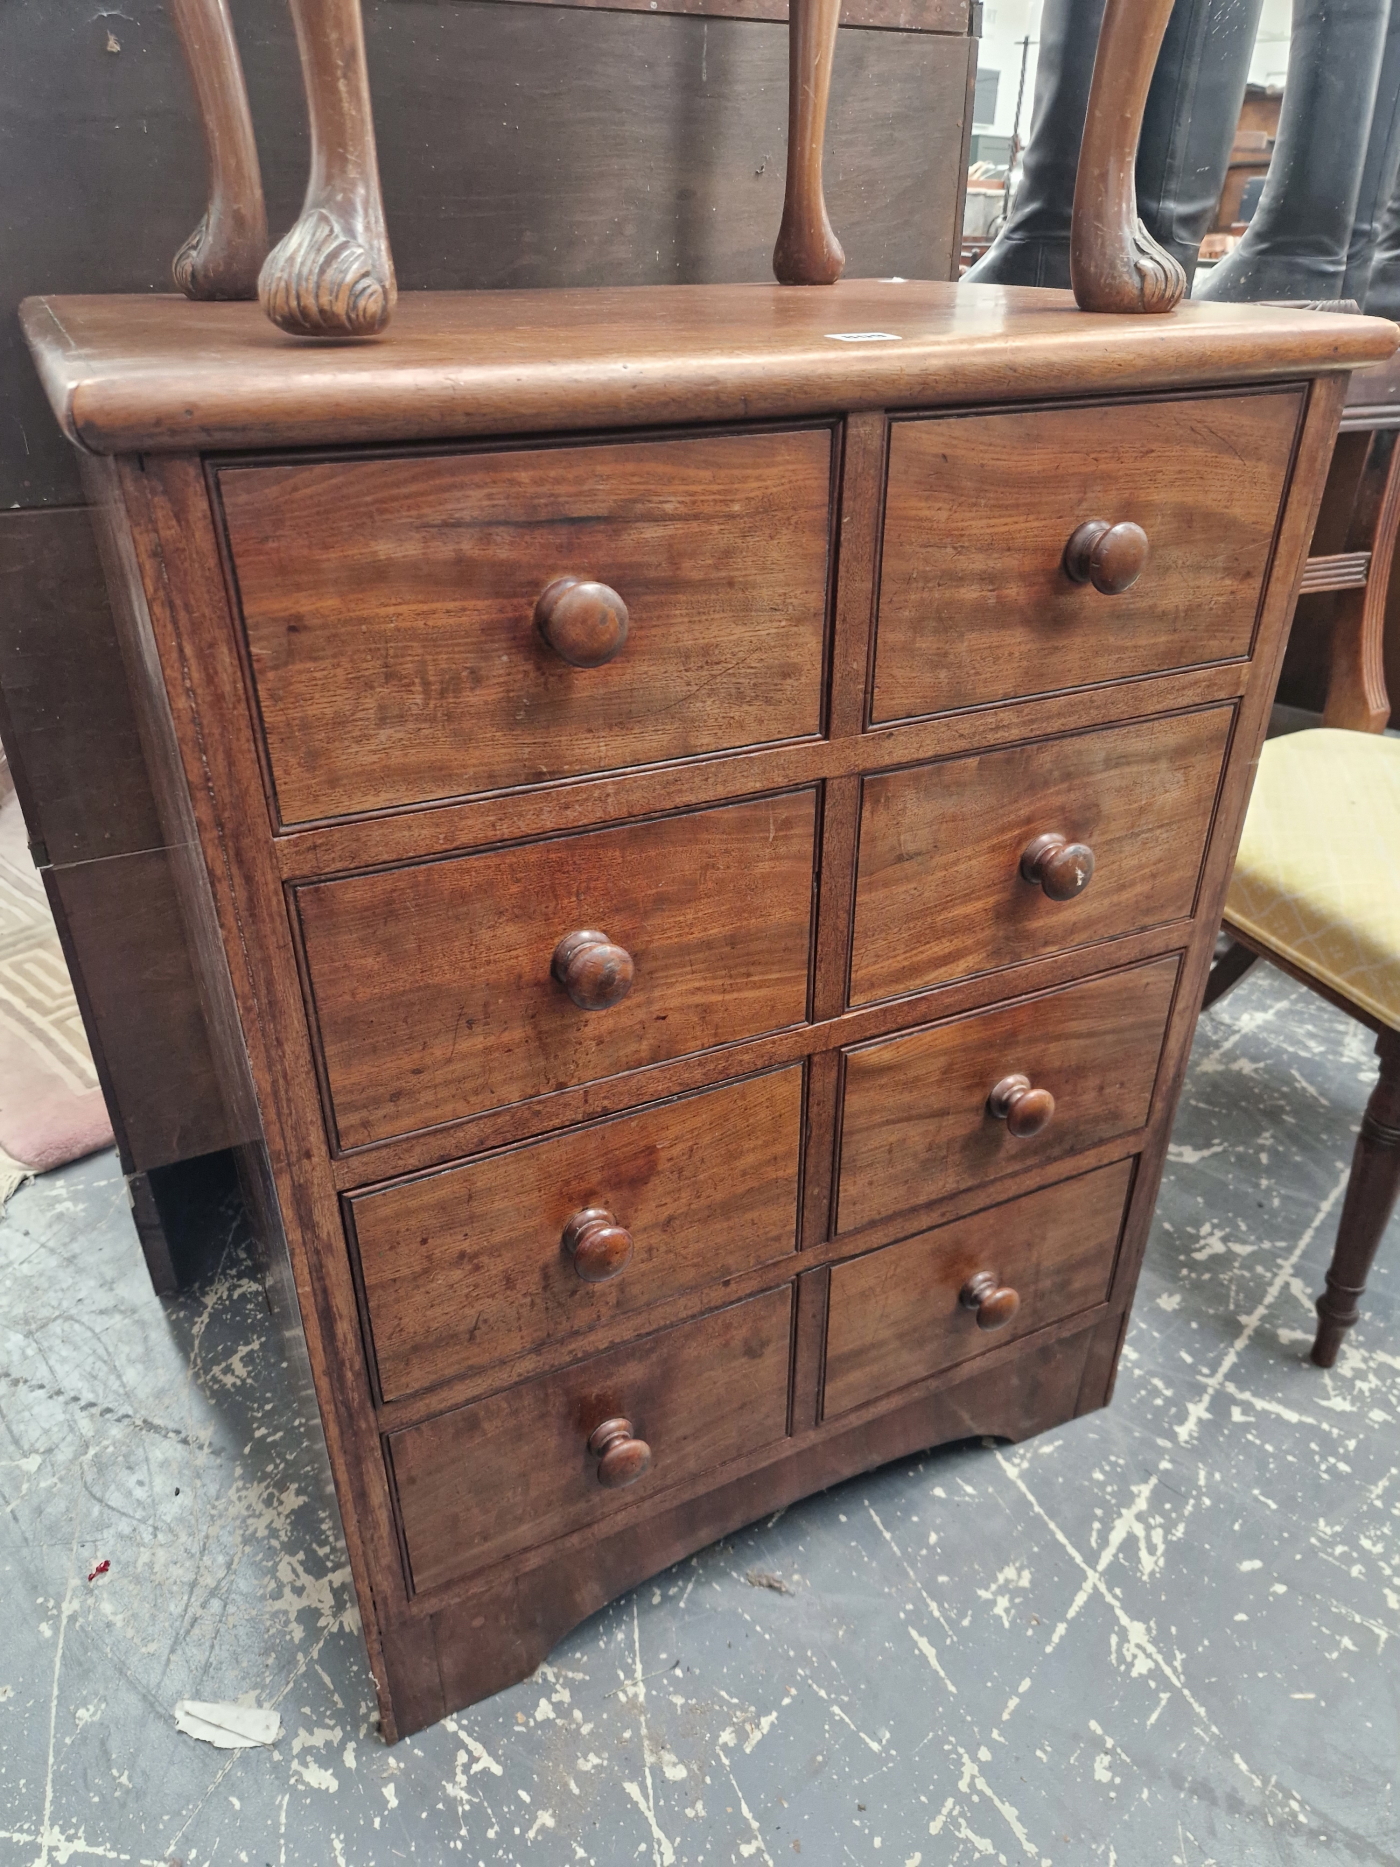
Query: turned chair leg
{"points": [[222, 256], [808, 252], [1370, 1200], [332, 275]]}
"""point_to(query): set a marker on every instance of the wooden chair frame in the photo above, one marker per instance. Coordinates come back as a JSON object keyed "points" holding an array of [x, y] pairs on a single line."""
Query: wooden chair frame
{"points": [[1357, 701], [332, 275]]}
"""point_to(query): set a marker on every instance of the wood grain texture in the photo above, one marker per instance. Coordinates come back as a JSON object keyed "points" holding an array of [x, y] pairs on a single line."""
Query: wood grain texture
{"points": [[940, 890], [916, 1125], [864, 445], [146, 374], [809, 1349], [432, 988], [808, 252], [308, 851], [476, 1484], [895, 1315], [975, 603], [464, 1268], [332, 275], [428, 571], [1114, 263], [221, 258], [499, 1631]]}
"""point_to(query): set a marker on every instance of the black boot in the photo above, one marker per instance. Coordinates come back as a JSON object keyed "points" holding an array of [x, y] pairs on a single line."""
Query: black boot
{"points": [[1188, 128], [1376, 204], [1296, 245], [1187, 131], [1382, 298]]}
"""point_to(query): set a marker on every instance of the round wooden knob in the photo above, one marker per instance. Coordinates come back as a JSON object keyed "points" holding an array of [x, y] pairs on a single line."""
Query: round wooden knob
{"points": [[597, 1245], [1063, 870], [584, 623], [1111, 557], [1024, 1110], [995, 1302], [622, 1457], [594, 972]]}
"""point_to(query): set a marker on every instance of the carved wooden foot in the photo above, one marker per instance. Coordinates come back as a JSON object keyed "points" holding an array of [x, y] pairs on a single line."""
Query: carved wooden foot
{"points": [[1114, 263], [1370, 1200], [808, 252], [332, 275], [222, 256]]}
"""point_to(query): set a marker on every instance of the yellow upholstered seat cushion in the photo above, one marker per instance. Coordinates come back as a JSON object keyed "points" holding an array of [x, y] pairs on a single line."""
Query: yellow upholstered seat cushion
{"points": [[1317, 880]]}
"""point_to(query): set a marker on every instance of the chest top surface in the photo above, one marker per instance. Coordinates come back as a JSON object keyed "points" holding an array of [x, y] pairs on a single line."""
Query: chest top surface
{"points": [[156, 374]]}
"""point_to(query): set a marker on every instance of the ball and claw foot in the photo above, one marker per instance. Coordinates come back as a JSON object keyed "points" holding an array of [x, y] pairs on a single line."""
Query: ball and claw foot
{"points": [[208, 266], [320, 282]]}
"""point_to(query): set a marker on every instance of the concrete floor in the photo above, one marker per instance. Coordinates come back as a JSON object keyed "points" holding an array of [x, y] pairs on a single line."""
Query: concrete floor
{"points": [[1162, 1634]]}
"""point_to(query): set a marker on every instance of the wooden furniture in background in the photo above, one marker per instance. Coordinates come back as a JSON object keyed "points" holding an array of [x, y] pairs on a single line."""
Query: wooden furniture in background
{"points": [[1250, 152], [637, 146], [1352, 570], [1317, 886], [690, 1080]]}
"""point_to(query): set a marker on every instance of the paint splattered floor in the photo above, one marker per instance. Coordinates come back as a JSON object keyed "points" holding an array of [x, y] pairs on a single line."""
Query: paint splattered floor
{"points": [[1168, 1633]]}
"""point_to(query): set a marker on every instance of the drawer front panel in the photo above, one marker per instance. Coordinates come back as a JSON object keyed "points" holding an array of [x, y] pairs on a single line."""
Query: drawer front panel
{"points": [[516, 1470], [390, 612], [916, 1124], [975, 602], [432, 986], [940, 892], [463, 1268], [898, 1315]]}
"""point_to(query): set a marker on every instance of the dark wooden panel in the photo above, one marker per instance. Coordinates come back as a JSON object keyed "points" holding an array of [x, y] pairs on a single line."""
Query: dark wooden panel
{"points": [[465, 1268], [916, 1124], [975, 604], [121, 919], [428, 571], [519, 145], [516, 1470], [895, 1315], [432, 985], [70, 732], [940, 892]]}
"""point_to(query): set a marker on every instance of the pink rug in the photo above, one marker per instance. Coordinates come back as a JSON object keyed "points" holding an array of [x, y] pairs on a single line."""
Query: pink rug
{"points": [[51, 1109]]}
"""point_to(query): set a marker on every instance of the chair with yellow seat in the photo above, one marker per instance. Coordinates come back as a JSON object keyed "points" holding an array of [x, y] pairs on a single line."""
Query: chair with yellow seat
{"points": [[1316, 887]]}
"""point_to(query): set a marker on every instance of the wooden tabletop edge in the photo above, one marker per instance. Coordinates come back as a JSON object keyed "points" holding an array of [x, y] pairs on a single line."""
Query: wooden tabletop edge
{"points": [[158, 374]]}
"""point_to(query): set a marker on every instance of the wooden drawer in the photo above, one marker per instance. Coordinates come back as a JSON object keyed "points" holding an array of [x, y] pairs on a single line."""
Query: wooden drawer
{"points": [[898, 1315], [940, 892], [916, 1125], [432, 985], [516, 1470], [975, 603], [389, 607], [464, 1268]]}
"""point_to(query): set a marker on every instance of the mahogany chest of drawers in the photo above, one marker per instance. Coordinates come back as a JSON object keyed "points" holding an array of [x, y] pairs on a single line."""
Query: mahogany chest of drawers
{"points": [[705, 816]]}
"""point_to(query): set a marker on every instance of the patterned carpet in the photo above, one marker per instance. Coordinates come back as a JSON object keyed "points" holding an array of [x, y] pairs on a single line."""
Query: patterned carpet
{"points": [[51, 1109]]}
